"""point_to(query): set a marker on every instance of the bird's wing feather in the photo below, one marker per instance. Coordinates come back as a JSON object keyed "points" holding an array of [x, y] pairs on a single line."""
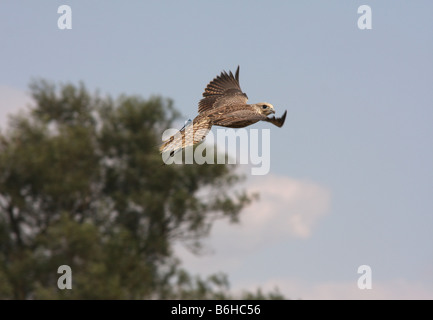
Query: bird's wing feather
{"points": [[278, 121], [223, 90], [246, 115], [189, 135]]}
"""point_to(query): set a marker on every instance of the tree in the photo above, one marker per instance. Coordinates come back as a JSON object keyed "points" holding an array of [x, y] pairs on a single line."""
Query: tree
{"points": [[81, 184]]}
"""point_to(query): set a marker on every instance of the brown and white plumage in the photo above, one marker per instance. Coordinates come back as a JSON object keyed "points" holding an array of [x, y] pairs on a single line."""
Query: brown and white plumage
{"points": [[223, 104]]}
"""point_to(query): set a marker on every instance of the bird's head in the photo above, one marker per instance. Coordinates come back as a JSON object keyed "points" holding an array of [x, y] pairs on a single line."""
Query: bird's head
{"points": [[265, 108]]}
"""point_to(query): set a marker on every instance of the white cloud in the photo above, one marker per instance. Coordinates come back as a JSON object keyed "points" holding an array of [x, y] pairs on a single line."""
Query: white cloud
{"points": [[287, 208], [12, 100]]}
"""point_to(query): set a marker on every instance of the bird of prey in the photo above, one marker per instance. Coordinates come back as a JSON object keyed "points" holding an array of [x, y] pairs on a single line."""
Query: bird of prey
{"points": [[223, 104]]}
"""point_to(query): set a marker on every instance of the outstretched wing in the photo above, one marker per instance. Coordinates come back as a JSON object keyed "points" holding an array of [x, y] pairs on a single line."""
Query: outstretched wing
{"points": [[190, 134], [223, 90], [236, 119], [243, 117], [278, 121]]}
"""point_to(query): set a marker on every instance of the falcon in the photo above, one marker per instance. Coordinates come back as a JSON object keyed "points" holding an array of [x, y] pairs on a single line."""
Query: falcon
{"points": [[223, 104]]}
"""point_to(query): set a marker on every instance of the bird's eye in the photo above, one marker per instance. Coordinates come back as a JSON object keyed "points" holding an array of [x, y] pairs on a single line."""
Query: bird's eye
{"points": [[264, 106]]}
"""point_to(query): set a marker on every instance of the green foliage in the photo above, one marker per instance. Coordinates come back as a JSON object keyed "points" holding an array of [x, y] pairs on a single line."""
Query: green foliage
{"points": [[82, 184]]}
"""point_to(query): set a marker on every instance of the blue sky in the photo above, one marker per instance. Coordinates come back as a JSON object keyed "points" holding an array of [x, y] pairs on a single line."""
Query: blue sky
{"points": [[351, 170]]}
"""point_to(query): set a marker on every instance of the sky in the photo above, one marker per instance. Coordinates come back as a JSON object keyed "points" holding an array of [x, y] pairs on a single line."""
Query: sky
{"points": [[350, 180]]}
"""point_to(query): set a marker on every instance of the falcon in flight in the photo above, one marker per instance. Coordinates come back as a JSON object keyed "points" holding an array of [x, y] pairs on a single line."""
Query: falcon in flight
{"points": [[223, 104]]}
